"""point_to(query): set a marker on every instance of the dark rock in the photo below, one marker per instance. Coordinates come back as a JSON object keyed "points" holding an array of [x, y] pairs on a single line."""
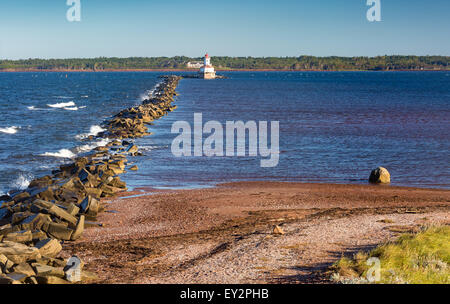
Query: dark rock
{"points": [[21, 197]]}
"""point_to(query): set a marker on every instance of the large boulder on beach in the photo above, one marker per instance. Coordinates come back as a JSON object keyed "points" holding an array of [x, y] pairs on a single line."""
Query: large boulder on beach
{"points": [[380, 175]]}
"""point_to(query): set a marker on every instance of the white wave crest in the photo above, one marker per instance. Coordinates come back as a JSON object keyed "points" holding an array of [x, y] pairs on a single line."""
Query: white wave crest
{"points": [[22, 182], [71, 108], [149, 93], [33, 108], [93, 131], [62, 105], [9, 130], [151, 147], [92, 146], [63, 153]]}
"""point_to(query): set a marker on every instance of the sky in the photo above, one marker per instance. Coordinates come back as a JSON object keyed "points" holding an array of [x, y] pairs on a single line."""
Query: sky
{"points": [[258, 28]]}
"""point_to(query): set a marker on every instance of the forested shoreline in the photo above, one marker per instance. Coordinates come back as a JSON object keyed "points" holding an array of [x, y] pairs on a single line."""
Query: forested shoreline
{"points": [[379, 63]]}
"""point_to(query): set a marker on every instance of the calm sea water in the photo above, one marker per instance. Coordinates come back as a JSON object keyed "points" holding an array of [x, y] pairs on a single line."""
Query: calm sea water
{"points": [[334, 127]]}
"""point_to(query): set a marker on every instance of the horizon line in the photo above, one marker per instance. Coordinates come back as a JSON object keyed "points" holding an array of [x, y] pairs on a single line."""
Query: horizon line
{"points": [[304, 55]]}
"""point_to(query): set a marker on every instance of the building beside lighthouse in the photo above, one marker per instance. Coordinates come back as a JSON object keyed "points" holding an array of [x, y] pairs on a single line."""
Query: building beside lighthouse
{"points": [[207, 70]]}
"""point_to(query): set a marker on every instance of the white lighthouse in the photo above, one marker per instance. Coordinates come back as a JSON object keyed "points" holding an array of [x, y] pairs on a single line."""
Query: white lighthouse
{"points": [[207, 70]]}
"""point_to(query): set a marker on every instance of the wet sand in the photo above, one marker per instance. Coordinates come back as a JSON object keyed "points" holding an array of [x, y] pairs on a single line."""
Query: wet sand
{"points": [[224, 234]]}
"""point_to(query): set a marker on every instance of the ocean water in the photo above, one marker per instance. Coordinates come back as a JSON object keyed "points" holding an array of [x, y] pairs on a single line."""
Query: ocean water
{"points": [[335, 127]]}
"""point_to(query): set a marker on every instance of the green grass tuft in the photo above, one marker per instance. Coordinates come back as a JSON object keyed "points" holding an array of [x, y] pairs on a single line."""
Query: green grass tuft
{"points": [[421, 258]]}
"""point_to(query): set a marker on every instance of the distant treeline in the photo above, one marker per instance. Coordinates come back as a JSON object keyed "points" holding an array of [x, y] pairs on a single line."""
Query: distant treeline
{"points": [[380, 63]]}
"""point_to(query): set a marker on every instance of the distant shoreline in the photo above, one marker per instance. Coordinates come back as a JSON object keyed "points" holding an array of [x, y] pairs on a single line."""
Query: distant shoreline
{"points": [[195, 70]]}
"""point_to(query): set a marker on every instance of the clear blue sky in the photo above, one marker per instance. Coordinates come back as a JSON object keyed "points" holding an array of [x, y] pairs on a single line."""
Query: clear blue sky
{"points": [[39, 28]]}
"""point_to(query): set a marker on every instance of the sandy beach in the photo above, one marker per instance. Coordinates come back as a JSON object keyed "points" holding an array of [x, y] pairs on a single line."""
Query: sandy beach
{"points": [[225, 234]]}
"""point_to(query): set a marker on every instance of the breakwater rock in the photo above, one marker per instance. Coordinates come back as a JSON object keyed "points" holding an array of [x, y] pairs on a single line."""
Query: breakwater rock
{"points": [[57, 208]]}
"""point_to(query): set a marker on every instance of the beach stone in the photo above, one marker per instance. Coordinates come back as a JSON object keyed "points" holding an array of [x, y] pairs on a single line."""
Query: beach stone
{"points": [[21, 197], [67, 169], [18, 253], [73, 185], [84, 206], [45, 270], [88, 276], [116, 161], [72, 209], [35, 221], [93, 208], [67, 196], [49, 247], [16, 277], [56, 211], [116, 182], [278, 230], [92, 182], [101, 149], [132, 149], [115, 170], [5, 264], [83, 175], [47, 194], [19, 217], [20, 207], [25, 269], [5, 229], [5, 198], [59, 231], [110, 190], [380, 175], [63, 215], [94, 192], [3, 260], [38, 235], [57, 262], [35, 191], [23, 236], [4, 280], [79, 229], [43, 204], [41, 182], [4, 213], [134, 168], [51, 280], [31, 280]]}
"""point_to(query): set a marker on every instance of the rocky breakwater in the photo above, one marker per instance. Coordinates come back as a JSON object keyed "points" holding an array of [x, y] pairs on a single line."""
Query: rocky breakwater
{"points": [[56, 208]]}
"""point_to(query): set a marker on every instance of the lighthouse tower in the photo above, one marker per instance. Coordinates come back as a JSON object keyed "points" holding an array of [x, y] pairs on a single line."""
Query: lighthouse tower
{"points": [[207, 70]]}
